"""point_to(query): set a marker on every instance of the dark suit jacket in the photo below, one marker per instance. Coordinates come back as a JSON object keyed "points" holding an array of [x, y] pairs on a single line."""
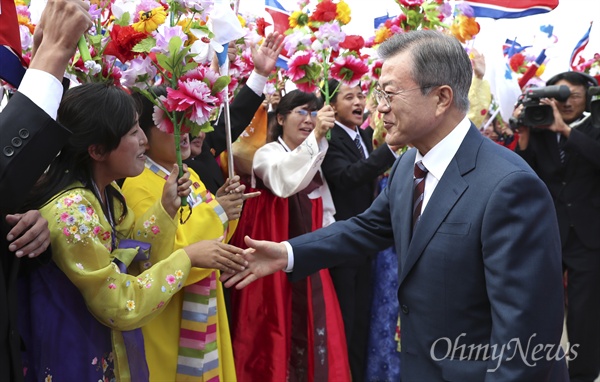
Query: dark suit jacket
{"points": [[352, 180], [29, 140], [483, 267], [575, 186], [241, 111]]}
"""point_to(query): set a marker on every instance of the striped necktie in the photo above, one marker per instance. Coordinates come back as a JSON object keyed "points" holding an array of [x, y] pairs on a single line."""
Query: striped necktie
{"points": [[420, 173], [562, 141], [359, 146]]}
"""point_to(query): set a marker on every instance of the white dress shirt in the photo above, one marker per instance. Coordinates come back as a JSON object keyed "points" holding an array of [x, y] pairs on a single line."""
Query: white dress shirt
{"points": [[43, 89]]}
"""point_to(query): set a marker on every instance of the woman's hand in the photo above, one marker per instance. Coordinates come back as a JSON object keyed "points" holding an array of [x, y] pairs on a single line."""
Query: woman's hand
{"points": [[216, 255], [176, 188], [325, 121], [231, 197]]}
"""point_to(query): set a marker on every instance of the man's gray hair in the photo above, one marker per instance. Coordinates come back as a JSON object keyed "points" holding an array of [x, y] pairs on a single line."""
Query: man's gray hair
{"points": [[438, 59]]}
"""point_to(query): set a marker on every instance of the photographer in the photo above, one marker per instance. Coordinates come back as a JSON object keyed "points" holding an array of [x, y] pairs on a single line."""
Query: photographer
{"points": [[566, 156]]}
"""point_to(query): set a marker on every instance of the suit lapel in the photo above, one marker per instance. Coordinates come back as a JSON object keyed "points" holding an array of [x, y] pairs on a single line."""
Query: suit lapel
{"points": [[447, 193], [405, 192]]}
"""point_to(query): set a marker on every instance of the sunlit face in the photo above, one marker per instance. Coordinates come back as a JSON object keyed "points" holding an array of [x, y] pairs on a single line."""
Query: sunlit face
{"points": [[574, 106], [128, 158], [490, 133], [410, 118], [297, 127], [161, 147], [349, 106], [196, 144]]}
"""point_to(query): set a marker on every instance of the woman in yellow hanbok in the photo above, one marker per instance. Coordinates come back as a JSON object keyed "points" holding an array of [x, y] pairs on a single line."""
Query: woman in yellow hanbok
{"points": [[189, 340], [111, 271]]}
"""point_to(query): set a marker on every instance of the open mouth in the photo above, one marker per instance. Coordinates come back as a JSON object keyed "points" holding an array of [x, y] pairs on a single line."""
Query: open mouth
{"points": [[358, 112]]}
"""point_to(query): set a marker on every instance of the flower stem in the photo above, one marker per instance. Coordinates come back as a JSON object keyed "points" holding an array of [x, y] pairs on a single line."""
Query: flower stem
{"points": [[177, 134]]}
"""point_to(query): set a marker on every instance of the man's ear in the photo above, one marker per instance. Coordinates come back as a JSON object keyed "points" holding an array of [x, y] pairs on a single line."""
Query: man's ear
{"points": [[97, 153], [445, 98]]}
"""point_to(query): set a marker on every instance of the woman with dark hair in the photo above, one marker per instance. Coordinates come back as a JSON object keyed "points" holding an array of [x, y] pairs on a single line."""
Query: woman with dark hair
{"points": [[83, 310], [169, 351], [282, 330]]}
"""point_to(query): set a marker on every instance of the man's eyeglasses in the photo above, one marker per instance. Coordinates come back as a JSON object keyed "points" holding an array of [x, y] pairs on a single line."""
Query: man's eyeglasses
{"points": [[385, 98], [304, 113]]}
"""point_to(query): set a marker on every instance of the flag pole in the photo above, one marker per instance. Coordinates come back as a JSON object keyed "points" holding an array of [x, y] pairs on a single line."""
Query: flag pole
{"points": [[224, 70]]}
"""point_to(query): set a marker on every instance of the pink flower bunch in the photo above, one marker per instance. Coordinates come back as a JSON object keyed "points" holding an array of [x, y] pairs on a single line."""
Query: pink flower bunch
{"points": [[321, 49]]}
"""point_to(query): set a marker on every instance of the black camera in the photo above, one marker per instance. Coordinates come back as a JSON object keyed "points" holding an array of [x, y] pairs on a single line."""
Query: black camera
{"points": [[535, 114], [594, 95]]}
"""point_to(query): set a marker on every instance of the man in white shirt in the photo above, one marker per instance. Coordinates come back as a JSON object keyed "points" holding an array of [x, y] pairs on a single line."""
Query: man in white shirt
{"points": [[30, 138], [480, 275]]}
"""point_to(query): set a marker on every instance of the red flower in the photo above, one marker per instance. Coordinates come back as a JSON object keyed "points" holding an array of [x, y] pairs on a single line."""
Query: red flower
{"points": [[325, 12], [349, 70], [261, 24], [307, 87], [410, 3], [516, 62], [353, 42], [122, 40], [376, 69]]}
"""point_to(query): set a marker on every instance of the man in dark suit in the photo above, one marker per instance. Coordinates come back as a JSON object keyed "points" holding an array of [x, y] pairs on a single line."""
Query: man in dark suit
{"points": [[29, 139], [242, 110], [351, 169], [480, 286], [566, 156]]}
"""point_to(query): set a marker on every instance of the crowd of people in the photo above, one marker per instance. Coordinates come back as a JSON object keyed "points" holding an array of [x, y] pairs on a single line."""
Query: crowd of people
{"points": [[396, 235]]}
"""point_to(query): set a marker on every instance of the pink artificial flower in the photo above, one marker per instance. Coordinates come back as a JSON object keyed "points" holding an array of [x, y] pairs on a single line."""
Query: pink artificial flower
{"points": [[411, 3], [193, 97], [307, 87], [349, 70], [160, 119], [376, 69], [297, 64]]}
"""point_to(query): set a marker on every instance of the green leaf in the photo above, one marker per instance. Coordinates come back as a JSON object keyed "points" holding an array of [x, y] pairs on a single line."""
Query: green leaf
{"points": [[95, 39], [145, 45], [124, 20], [189, 66], [220, 84], [313, 71], [175, 45], [164, 62], [196, 129]]}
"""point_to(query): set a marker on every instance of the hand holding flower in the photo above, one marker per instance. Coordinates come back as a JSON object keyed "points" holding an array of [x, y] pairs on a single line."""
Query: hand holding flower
{"points": [[325, 121], [175, 189]]}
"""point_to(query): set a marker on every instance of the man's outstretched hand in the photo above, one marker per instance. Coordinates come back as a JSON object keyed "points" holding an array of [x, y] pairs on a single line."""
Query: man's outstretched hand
{"points": [[264, 258]]}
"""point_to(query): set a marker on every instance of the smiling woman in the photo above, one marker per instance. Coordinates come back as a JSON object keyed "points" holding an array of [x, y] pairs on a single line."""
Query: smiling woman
{"points": [[301, 322], [86, 307]]}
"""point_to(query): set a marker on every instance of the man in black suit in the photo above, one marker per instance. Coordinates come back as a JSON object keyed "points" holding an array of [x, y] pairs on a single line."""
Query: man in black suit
{"points": [[566, 156], [242, 110], [29, 139], [351, 168]]}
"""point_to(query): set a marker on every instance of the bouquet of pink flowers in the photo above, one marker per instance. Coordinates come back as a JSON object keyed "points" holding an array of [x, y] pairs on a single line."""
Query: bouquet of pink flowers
{"points": [[139, 45], [320, 50]]}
